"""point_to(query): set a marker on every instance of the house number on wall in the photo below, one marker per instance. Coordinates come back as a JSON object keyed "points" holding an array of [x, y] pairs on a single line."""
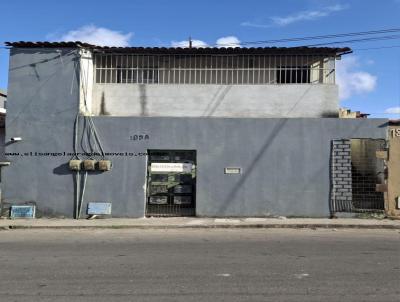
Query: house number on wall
{"points": [[395, 132], [139, 137]]}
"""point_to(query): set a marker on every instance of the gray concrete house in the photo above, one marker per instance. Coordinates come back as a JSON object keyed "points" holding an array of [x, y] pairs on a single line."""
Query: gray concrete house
{"points": [[180, 131]]}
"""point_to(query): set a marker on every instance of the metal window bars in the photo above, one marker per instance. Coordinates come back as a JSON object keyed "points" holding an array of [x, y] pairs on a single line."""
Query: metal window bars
{"points": [[214, 69]]}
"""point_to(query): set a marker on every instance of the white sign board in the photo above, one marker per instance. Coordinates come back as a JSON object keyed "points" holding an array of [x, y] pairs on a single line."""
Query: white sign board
{"points": [[99, 208], [232, 170], [171, 167]]}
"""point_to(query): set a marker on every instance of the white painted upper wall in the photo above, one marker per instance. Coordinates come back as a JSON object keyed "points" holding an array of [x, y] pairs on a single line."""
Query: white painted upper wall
{"points": [[181, 98], [256, 101]]}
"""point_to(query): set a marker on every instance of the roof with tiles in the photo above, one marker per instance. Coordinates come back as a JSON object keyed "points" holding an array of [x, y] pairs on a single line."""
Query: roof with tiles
{"points": [[180, 50]]}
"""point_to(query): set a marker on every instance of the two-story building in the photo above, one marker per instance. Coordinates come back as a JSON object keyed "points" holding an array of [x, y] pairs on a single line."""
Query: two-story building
{"points": [[178, 131]]}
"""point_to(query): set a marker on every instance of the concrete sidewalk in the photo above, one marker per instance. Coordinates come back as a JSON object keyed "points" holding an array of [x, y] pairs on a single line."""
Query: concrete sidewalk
{"points": [[192, 222]]}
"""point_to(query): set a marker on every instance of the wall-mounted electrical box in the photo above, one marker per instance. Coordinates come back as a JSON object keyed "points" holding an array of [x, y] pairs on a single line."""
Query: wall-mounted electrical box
{"points": [[104, 165], [99, 208], [89, 165], [75, 164], [25, 211]]}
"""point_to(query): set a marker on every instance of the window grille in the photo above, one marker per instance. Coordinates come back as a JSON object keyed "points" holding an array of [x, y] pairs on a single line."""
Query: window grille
{"points": [[214, 69]]}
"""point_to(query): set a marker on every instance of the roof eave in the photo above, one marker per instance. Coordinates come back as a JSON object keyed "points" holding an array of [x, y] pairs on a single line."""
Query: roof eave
{"points": [[331, 51]]}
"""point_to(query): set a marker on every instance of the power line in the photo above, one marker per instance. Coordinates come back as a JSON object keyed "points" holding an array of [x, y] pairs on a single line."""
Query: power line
{"points": [[387, 113], [382, 38], [330, 36], [392, 37], [382, 47]]}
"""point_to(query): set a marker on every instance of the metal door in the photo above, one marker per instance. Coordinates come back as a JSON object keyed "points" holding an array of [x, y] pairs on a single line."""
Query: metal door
{"points": [[171, 183]]}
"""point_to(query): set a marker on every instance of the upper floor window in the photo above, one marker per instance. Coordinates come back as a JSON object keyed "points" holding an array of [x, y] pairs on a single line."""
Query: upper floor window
{"points": [[214, 69]]}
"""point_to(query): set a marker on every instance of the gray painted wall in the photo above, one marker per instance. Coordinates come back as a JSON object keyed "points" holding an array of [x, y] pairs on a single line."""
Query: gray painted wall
{"points": [[42, 103], [285, 162], [259, 101]]}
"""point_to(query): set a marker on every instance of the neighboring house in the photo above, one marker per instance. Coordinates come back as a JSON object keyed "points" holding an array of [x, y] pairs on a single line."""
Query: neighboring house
{"points": [[188, 131], [347, 113]]}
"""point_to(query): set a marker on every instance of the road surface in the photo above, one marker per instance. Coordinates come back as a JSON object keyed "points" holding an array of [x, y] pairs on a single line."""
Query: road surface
{"points": [[200, 265]]}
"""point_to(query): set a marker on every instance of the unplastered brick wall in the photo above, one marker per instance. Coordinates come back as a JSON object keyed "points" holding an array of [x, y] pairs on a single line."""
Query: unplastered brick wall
{"points": [[341, 189]]}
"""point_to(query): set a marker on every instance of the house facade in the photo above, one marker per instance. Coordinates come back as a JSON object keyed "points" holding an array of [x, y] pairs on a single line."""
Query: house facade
{"points": [[215, 132]]}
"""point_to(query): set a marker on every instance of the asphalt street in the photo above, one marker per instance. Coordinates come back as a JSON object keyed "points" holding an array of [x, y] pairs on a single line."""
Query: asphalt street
{"points": [[200, 265]]}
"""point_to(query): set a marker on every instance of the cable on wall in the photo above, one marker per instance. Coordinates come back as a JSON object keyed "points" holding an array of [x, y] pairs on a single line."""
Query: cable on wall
{"points": [[89, 139]]}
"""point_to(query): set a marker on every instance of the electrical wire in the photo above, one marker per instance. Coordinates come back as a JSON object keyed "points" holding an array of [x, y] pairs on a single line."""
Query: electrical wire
{"points": [[76, 129], [93, 129], [82, 193], [392, 37], [84, 139], [77, 195], [318, 37], [307, 38], [373, 48], [89, 130], [97, 145]]}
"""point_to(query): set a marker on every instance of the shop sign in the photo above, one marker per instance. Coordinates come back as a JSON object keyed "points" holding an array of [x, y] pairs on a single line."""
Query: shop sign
{"points": [[171, 167]]}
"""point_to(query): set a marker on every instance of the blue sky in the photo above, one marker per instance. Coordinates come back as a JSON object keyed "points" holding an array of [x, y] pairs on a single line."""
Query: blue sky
{"points": [[370, 79]]}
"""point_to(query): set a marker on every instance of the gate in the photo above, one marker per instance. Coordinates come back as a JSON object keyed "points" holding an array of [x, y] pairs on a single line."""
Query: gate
{"points": [[171, 183], [355, 172]]}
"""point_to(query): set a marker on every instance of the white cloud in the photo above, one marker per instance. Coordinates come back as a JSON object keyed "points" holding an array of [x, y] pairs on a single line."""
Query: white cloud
{"points": [[229, 41], [185, 44], [254, 24], [299, 16], [98, 36], [393, 110], [352, 81]]}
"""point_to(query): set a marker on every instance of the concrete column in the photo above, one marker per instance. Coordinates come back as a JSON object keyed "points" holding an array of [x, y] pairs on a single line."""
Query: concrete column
{"points": [[393, 165], [341, 176]]}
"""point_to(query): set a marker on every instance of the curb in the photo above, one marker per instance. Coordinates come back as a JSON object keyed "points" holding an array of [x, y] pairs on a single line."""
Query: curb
{"points": [[209, 226]]}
